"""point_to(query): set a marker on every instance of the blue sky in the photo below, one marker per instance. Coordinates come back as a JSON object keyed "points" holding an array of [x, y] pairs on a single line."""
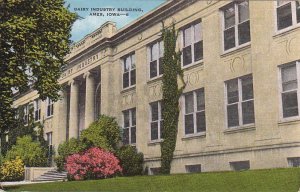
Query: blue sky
{"points": [[89, 23]]}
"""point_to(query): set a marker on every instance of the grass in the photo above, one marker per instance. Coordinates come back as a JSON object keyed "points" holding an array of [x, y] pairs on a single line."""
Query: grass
{"points": [[273, 180]]}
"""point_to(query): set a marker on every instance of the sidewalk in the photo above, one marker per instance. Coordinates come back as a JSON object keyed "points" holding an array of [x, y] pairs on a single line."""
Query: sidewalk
{"points": [[15, 183]]}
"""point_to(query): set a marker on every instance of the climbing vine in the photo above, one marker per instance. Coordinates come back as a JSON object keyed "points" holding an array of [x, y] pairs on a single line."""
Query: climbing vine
{"points": [[171, 93]]}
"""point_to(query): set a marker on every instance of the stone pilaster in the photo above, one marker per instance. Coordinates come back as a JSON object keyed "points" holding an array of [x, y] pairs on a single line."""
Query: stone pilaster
{"points": [[73, 120], [89, 99]]}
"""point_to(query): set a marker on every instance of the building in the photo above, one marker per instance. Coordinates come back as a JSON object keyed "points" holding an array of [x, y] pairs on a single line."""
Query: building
{"points": [[240, 108]]}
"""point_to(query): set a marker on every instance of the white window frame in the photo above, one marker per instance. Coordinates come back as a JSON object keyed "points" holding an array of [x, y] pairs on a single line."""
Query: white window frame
{"points": [[49, 103], [297, 64], [236, 24], [130, 125], [192, 26], [37, 108], [239, 103], [294, 16], [194, 113], [160, 54], [159, 120], [131, 68]]}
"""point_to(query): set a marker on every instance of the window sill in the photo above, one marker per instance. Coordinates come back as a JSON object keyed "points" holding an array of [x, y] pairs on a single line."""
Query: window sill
{"points": [[154, 79], [236, 49], [155, 142], [286, 31], [243, 128], [127, 89], [49, 117], [192, 65], [289, 121], [194, 136]]}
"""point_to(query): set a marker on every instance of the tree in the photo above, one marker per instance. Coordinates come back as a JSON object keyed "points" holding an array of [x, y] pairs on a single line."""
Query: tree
{"points": [[171, 94], [34, 39]]}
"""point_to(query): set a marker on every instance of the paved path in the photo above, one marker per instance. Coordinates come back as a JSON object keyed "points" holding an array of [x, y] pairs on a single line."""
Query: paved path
{"points": [[15, 183]]}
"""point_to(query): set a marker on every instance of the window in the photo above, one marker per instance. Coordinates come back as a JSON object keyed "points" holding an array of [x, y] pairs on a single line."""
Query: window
{"points": [[288, 13], [236, 24], [294, 161], [193, 168], [240, 165], [37, 110], [129, 128], [194, 117], [128, 70], [156, 53], [156, 125], [26, 114], [290, 90], [49, 107], [240, 102], [155, 170], [192, 43]]}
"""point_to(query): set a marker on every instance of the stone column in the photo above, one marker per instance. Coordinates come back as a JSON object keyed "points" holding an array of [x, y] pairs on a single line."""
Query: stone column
{"points": [[89, 99], [73, 120]]}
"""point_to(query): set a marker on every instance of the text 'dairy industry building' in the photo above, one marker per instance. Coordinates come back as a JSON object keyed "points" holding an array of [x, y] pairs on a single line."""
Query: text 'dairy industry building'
{"points": [[239, 110]]}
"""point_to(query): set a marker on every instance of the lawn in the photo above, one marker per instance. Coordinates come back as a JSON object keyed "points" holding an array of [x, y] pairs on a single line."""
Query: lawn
{"points": [[273, 180]]}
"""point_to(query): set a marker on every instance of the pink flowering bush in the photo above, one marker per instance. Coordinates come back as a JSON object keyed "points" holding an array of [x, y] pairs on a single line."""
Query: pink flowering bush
{"points": [[92, 164]]}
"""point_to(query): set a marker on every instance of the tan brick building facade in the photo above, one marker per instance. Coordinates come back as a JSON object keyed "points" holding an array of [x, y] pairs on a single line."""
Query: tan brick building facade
{"points": [[241, 63]]}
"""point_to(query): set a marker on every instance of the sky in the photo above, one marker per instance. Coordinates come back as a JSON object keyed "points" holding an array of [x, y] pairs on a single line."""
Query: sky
{"points": [[89, 22]]}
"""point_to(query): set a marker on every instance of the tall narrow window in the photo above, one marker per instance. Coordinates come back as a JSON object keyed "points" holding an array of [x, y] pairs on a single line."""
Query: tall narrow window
{"points": [[129, 127], [129, 78], [37, 109], [240, 101], [156, 125], [289, 90], [236, 24], [26, 114], [194, 117], [49, 111], [156, 53], [288, 13], [192, 43]]}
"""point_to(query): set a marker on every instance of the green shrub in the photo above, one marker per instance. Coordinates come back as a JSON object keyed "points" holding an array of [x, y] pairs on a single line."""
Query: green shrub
{"points": [[31, 152], [103, 133], [131, 160], [60, 161], [12, 170]]}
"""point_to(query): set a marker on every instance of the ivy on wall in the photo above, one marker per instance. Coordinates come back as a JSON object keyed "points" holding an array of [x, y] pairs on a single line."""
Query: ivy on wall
{"points": [[171, 93]]}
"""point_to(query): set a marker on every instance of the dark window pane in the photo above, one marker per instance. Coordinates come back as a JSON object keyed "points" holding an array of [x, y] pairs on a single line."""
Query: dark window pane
{"points": [[248, 112], [232, 91], [52, 109], [240, 165], [36, 116], [193, 168], [244, 32], [189, 103], [187, 55], [243, 11], [133, 135], [294, 161], [290, 104], [284, 16], [289, 78], [125, 80], [189, 124], [200, 100], [247, 88], [126, 136], [201, 125], [232, 115], [154, 111], [229, 38], [198, 51], [154, 130], [132, 77], [126, 118], [48, 111], [133, 117], [229, 16], [161, 128], [298, 11], [153, 68], [161, 69]]}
